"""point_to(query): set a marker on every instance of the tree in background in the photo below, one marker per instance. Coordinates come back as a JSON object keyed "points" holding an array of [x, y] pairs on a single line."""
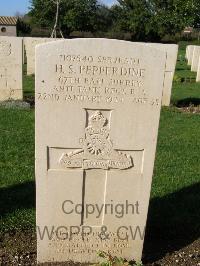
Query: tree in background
{"points": [[153, 19], [135, 16], [56, 25], [104, 18], [73, 14], [173, 16], [144, 20], [23, 28]]}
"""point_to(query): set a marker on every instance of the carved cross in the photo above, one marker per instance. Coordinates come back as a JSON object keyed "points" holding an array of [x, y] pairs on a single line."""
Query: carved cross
{"points": [[96, 158]]}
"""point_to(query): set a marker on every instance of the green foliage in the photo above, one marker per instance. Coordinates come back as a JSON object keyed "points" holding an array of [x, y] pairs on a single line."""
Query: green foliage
{"points": [[153, 19], [23, 27], [73, 14], [173, 16], [146, 20], [104, 18], [136, 18]]}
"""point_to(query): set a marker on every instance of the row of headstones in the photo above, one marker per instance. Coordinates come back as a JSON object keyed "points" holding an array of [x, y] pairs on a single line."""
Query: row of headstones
{"points": [[12, 57], [193, 58], [97, 108], [14, 49]]}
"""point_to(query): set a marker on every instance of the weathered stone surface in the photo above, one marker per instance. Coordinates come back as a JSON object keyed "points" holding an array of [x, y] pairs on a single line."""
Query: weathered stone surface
{"points": [[195, 58], [10, 68], [29, 47], [97, 113]]}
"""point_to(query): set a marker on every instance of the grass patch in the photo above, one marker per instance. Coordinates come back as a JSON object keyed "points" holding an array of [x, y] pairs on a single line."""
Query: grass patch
{"points": [[182, 68], [185, 93], [17, 169], [29, 85]]}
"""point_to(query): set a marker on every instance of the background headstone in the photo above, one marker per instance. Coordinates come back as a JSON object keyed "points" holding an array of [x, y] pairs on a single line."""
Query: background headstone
{"points": [[171, 58], [195, 58], [190, 54], [11, 68], [187, 51], [198, 72], [97, 113], [29, 47]]}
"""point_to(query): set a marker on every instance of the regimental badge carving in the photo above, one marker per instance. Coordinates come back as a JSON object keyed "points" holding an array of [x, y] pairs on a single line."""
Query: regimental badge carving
{"points": [[97, 151], [5, 48]]}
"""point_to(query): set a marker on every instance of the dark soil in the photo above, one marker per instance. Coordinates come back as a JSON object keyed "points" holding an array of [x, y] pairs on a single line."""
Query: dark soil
{"points": [[18, 249], [30, 100]]}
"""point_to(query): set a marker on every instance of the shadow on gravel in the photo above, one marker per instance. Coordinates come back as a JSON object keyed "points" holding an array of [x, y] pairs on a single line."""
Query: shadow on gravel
{"points": [[20, 196], [188, 102], [31, 100], [173, 223]]}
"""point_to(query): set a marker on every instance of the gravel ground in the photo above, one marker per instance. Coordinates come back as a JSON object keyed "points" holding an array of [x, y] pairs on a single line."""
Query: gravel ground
{"points": [[191, 109], [15, 104]]}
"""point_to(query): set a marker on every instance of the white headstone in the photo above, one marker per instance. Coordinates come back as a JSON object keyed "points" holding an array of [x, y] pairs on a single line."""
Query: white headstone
{"points": [[190, 54], [23, 50], [187, 51], [29, 46], [171, 58], [195, 58], [198, 72], [97, 114], [10, 68]]}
